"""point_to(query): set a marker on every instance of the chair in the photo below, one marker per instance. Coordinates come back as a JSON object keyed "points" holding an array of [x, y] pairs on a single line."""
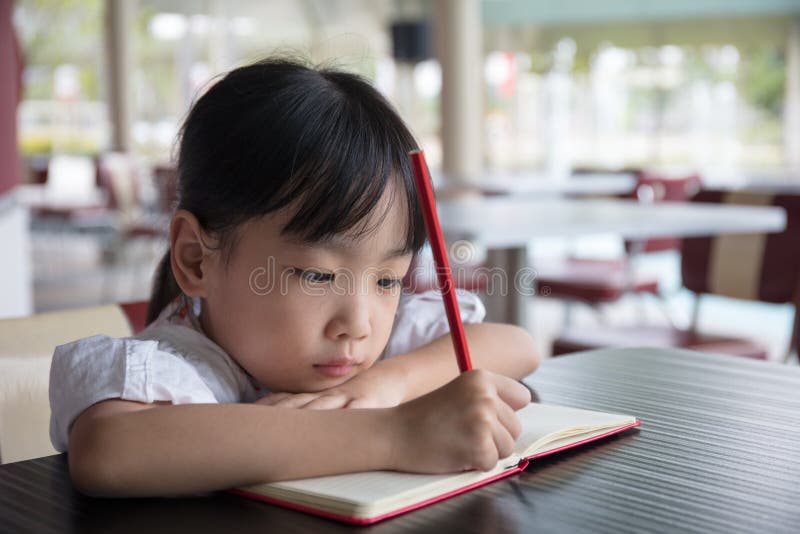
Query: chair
{"points": [[124, 238], [119, 175], [421, 276], [761, 267], [600, 281], [104, 191], [466, 265], [26, 347], [136, 314], [165, 178]]}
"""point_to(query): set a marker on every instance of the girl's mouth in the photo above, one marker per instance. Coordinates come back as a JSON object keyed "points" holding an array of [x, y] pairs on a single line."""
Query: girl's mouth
{"points": [[335, 370]]}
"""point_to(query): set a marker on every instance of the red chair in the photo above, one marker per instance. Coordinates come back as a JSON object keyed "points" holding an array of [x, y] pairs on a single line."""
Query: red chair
{"points": [[421, 276], [136, 313], [761, 267], [118, 174], [54, 209], [165, 177], [599, 281]]}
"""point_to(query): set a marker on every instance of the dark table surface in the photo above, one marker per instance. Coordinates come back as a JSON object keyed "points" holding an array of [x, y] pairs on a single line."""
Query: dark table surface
{"points": [[718, 451]]}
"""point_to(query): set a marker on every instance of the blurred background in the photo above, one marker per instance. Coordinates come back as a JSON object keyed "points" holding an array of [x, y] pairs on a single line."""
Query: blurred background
{"points": [[534, 91], [700, 85]]}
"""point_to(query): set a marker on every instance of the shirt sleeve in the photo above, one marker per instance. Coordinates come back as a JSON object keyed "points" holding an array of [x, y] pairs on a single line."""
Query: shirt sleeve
{"points": [[98, 368], [421, 318]]}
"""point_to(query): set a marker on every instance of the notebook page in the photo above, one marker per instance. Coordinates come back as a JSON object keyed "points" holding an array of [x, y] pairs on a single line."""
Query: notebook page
{"points": [[366, 491], [542, 420], [361, 494]]}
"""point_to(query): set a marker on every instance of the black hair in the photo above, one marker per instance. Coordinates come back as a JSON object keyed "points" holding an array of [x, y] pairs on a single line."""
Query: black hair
{"points": [[279, 133]]}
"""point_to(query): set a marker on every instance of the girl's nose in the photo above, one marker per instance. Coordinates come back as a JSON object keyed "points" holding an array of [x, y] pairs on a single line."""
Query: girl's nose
{"points": [[351, 320]]}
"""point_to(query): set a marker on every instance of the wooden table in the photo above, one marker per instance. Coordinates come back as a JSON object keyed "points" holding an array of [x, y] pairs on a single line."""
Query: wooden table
{"points": [[719, 451], [507, 225]]}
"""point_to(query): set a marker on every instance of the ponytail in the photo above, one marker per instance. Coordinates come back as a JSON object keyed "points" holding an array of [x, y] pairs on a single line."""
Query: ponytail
{"points": [[165, 288]]}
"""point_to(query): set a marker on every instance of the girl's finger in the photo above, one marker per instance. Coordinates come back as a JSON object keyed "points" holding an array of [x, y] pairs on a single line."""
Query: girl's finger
{"points": [[296, 401], [487, 455], [362, 402], [508, 418], [271, 398], [327, 402], [512, 392], [502, 440]]}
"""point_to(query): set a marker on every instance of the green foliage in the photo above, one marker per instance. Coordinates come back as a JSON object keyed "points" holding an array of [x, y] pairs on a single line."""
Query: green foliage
{"points": [[55, 32], [763, 79], [59, 31]]}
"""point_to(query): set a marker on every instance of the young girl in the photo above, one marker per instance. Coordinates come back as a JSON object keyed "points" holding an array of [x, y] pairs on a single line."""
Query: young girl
{"points": [[279, 345]]}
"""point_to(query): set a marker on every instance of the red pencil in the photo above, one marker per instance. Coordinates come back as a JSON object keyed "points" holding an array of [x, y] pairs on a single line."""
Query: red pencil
{"points": [[428, 204]]}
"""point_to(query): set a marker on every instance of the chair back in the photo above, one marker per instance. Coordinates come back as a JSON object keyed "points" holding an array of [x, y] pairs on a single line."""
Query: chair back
{"points": [[763, 267], [136, 313], [71, 179], [26, 348], [165, 177], [652, 187], [117, 175], [760, 266]]}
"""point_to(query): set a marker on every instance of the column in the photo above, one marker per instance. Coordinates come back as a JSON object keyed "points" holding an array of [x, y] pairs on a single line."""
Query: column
{"points": [[459, 47], [120, 65], [791, 117]]}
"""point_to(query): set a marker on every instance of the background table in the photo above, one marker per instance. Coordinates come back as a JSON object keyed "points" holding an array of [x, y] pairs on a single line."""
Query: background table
{"points": [[506, 226], [514, 221], [718, 452], [541, 184]]}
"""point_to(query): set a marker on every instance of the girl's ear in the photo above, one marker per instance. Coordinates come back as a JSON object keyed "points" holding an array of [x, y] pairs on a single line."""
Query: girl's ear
{"points": [[189, 254]]}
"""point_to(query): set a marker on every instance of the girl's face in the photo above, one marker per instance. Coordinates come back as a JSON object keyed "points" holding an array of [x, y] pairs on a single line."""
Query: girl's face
{"points": [[304, 318]]}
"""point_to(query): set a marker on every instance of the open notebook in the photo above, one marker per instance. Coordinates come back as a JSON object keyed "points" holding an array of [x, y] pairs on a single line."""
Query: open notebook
{"points": [[368, 497]]}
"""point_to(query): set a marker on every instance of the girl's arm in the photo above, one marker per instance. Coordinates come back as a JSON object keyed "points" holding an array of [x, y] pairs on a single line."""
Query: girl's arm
{"points": [[500, 348], [504, 349], [123, 448]]}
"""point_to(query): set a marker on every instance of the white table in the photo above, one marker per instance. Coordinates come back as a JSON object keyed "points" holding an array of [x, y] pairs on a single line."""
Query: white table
{"points": [[40, 196], [775, 186], [506, 225], [543, 185]]}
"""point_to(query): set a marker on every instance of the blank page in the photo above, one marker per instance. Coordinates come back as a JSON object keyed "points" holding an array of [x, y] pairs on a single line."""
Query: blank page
{"points": [[367, 492], [540, 421]]}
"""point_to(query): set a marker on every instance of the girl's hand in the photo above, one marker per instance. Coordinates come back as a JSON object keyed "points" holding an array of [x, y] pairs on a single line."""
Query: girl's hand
{"points": [[381, 386], [467, 424]]}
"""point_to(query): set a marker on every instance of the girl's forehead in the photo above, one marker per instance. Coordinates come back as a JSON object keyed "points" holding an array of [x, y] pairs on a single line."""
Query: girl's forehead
{"points": [[382, 232]]}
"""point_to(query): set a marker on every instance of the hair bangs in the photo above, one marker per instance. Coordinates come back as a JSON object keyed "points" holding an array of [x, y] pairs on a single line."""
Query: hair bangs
{"points": [[348, 156], [279, 134]]}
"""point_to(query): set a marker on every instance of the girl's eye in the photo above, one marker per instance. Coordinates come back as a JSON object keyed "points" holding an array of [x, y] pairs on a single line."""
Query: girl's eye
{"points": [[314, 276], [386, 283]]}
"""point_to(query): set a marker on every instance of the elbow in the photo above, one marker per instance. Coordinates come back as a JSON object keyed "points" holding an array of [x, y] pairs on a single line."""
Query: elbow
{"points": [[514, 349], [92, 468], [84, 476], [529, 358]]}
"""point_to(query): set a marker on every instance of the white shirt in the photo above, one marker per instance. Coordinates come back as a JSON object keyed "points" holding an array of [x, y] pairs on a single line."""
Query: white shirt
{"points": [[172, 360]]}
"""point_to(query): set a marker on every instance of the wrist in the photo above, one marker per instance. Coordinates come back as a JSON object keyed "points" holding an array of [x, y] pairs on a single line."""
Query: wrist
{"points": [[395, 436], [423, 370], [396, 374]]}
